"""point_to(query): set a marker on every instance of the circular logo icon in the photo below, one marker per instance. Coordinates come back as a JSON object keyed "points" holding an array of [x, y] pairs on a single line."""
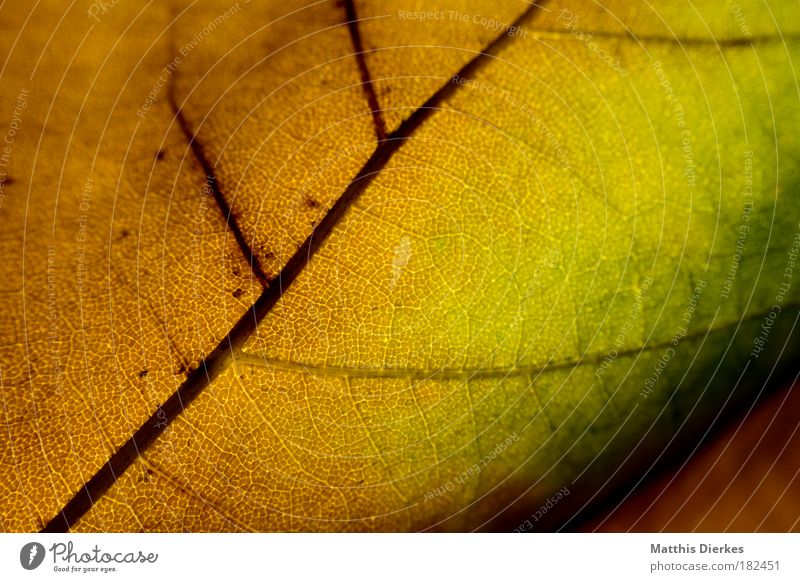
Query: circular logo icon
{"points": [[31, 555]]}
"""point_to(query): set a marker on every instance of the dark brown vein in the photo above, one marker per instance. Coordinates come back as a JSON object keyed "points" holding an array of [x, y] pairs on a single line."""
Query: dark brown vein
{"points": [[217, 361], [213, 187], [366, 78]]}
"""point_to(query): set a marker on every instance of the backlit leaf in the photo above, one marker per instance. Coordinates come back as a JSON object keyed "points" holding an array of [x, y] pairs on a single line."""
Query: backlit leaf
{"points": [[492, 255]]}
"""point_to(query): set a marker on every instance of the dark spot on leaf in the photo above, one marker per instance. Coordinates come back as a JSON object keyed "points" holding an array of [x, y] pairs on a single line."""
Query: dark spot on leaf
{"points": [[236, 271], [311, 203], [160, 155], [238, 293], [143, 373], [9, 180]]}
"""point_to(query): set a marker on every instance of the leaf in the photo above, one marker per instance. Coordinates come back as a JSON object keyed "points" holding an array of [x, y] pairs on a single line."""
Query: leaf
{"points": [[517, 274], [726, 480]]}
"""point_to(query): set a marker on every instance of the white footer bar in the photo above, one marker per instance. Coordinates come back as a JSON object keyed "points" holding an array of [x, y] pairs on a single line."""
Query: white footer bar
{"points": [[401, 557]]}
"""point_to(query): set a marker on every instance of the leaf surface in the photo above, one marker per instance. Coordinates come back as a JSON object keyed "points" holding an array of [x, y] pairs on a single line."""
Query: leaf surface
{"points": [[511, 277]]}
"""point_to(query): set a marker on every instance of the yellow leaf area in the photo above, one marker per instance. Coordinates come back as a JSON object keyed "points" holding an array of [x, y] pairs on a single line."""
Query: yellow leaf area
{"points": [[492, 252]]}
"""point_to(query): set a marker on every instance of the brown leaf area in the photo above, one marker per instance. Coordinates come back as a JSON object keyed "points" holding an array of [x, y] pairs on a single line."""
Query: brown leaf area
{"points": [[262, 260], [125, 271]]}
